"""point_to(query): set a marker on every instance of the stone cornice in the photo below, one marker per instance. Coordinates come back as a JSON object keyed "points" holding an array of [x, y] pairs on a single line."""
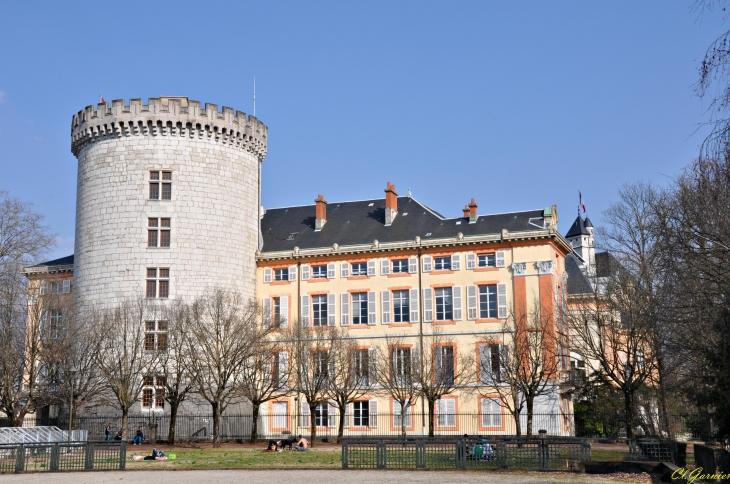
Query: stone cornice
{"points": [[47, 269], [419, 243]]}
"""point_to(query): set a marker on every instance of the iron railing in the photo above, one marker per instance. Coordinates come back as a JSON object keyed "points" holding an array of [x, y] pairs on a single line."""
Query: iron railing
{"points": [[523, 454], [61, 456]]}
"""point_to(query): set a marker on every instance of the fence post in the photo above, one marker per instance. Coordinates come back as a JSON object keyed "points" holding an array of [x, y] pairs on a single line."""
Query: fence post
{"points": [[20, 459], [541, 451], [420, 454], [344, 454], [380, 450], [585, 451], [632, 449], [55, 457], [89, 460], [461, 455], [123, 455]]}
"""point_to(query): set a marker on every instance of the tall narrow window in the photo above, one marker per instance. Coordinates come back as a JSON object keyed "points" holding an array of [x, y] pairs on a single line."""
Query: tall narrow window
{"points": [[401, 307], [360, 308], [401, 369], [444, 304], [157, 283], [160, 185], [360, 367], [319, 310], [158, 232], [445, 365], [488, 301], [154, 185]]}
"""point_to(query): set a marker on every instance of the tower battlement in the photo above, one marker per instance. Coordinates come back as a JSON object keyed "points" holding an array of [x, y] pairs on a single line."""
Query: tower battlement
{"points": [[168, 116]]}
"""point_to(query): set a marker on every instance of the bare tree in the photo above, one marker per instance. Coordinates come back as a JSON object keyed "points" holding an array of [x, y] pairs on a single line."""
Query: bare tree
{"points": [[443, 370], [265, 377], [397, 372], [314, 362], [524, 366], [121, 357], [173, 348], [350, 375], [224, 336], [23, 237]]}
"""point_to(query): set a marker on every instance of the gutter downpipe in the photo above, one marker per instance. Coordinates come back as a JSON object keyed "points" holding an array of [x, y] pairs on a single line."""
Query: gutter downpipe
{"points": [[420, 335]]}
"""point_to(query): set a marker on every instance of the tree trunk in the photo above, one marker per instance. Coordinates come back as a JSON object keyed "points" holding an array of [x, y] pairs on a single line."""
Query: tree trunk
{"points": [[17, 419], [255, 422], [664, 419], [530, 402], [629, 413], [173, 420], [431, 405], [125, 423], [341, 426], [216, 425], [313, 424], [403, 416], [518, 427]]}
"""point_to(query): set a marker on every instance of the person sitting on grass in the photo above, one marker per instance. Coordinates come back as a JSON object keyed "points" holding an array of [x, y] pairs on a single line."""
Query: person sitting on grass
{"points": [[119, 435], [138, 438], [154, 455], [302, 444], [273, 446]]}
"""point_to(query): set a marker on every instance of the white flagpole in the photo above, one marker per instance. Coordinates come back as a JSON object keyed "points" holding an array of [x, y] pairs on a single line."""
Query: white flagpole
{"points": [[254, 96]]}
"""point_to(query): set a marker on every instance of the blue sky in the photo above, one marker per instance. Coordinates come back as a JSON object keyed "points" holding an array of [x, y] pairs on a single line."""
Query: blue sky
{"points": [[517, 104]]}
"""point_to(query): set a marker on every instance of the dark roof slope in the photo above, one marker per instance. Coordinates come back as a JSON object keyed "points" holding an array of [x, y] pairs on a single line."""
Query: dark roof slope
{"points": [[361, 222], [578, 228], [577, 281], [63, 261]]}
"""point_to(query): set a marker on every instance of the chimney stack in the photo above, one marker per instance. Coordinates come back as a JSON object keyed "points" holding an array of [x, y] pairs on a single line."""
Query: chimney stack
{"points": [[391, 204], [466, 210], [472, 212], [321, 213]]}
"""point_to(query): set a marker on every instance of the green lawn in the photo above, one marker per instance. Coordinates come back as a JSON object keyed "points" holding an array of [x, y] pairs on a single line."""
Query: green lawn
{"points": [[243, 458]]}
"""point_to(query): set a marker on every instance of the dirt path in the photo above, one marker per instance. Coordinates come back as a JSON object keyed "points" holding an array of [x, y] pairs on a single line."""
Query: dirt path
{"points": [[315, 476]]}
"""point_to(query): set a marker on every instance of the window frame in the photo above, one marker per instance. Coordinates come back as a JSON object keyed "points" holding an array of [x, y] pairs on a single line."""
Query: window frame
{"points": [[444, 304], [362, 269], [357, 320], [399, 266], [398, 307], [487, 256], [364, 413], [280, 275], [319, 272], [320, 301], [444, 263], [489, 307]]}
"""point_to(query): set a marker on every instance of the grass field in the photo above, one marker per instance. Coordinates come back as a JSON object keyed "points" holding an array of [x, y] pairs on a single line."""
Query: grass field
{"points": [[328, 457]]}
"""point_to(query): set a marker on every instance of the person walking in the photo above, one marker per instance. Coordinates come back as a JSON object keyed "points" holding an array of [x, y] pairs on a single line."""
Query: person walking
{"points": [[108, 432]]}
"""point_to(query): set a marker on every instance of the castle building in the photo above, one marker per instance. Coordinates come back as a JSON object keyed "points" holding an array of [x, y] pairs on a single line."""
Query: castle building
{"points": [[168, 203]]}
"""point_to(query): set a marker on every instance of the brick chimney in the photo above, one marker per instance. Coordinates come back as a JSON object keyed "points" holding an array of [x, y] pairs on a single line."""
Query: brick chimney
{"points": [[391, 204], [473, 212], [466, 210], [321, 213]]}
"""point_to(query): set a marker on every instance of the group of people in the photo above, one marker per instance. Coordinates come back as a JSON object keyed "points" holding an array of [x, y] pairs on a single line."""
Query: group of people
{"points": [[300, 444], [138, 438], [480, 450]]}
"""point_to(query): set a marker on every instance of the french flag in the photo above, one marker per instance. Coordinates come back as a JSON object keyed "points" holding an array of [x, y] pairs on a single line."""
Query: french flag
{"points": [[101, 99], [582, 205]]}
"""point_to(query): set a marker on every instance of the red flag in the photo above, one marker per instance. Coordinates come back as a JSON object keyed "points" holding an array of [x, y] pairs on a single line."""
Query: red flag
{"points": [[101, 98], [582, 205]]}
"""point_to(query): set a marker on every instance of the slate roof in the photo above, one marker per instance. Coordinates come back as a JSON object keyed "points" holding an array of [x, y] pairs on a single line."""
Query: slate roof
{"points": [[577, 281], [578, 228], [63, 261], [361, 222]]}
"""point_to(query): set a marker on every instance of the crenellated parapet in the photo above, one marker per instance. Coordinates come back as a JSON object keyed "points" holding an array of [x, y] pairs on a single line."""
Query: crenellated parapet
{"points": [[168, 117]]}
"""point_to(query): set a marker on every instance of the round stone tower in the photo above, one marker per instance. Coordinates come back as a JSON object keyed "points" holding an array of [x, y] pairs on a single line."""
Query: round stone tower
{"points": [[167, 199]]}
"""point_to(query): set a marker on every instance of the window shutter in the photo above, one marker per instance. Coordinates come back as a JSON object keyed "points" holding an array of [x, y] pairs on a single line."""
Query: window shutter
{"points": [[385, 306], [266, 313], [502, 301], [372, 308], [412, 265], [428, 305], [347, 416], [284, 310], [332, 415], [372, 366], [305, 272], [66, 286], [345, 308], [456, 293], [331, 309], [371, 267], [331, 270], [266, 364], [426, 263], [44, 288], [415, 362], [305, 311], [413, 303], [471, 261], [292, 273], [283, 369], [344, 270], [373, 411], [384, 267], [471, 303], [499, 258], [267, 275], [504, 357], [486, 417], [485, 364], [303, 414], [455, 262]]}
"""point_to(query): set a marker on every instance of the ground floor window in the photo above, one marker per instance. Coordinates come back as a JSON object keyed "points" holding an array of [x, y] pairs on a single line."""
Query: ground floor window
{"points": [[361, 414]]}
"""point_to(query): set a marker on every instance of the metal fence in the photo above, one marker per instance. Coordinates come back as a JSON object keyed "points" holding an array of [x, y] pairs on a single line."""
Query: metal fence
{"points": [[683, 427], [58, 456], [522, 454]]}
